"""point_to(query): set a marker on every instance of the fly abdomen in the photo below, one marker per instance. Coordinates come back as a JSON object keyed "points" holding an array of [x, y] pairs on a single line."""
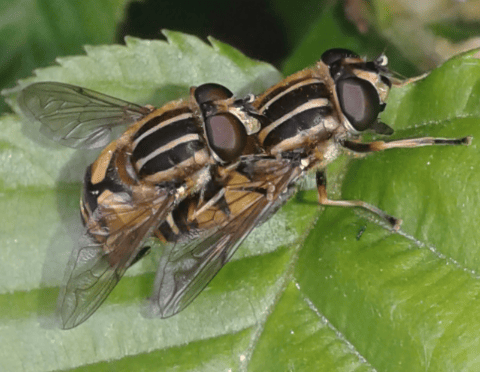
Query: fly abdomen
{"points": [[176, 226], [95, 190]]}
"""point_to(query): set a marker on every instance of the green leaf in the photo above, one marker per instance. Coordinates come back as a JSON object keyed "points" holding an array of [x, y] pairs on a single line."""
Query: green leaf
{"points": [[409, 301], [153, 71], [293, 297], [34, 32]]}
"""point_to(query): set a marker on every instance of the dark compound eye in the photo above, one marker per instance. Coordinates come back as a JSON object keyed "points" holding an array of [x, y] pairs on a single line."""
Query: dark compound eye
{"points": [[211, 92], [334, 55], [226, 135], [359, 101]]}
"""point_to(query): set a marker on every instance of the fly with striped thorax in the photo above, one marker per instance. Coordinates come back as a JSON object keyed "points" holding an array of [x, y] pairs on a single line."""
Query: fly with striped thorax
{"points": [[306, 121], [139, 178]]}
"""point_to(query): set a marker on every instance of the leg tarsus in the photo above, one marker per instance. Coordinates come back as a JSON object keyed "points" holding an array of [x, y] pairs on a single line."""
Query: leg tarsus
{"points": [[323, 200], [403, 143]]}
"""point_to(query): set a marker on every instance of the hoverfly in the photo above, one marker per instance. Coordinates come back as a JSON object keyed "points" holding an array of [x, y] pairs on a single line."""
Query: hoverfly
{"points": [[137, 180], [309, 118]]}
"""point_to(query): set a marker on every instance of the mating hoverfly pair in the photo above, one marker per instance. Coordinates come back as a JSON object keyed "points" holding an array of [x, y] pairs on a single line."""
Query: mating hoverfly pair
{"points": [[202, 173]]}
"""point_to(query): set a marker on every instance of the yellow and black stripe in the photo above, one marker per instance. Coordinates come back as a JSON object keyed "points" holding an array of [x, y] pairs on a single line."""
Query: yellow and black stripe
{"points": [[297, 108]]}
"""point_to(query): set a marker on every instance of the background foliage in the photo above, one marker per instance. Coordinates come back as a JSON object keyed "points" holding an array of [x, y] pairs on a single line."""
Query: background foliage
{"points": [[307, 290]]}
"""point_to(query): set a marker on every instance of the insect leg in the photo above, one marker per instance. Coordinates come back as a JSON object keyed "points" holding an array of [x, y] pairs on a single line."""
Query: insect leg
{"points": [[207, 205], [403, 143], [323, 200], [404, 82]]}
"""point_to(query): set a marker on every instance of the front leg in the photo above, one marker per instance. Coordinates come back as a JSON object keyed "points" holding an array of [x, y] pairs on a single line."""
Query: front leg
{"points": [[403, 143], [324, 200]]}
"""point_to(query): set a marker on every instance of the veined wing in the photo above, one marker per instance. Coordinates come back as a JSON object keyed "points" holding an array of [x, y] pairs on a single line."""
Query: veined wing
{"points": [[185, 269], [75, 116], [111, 242]]}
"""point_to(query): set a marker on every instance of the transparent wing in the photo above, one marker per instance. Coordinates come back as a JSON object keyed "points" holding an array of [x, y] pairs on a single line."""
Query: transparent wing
{"points": [[185, 269], [75, 116], [112, 240]]}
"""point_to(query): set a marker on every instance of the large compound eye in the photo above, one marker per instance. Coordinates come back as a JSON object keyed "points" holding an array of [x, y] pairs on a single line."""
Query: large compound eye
{"points": [[359, 101], [211, 92], [226, 136], [331, 56]]}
